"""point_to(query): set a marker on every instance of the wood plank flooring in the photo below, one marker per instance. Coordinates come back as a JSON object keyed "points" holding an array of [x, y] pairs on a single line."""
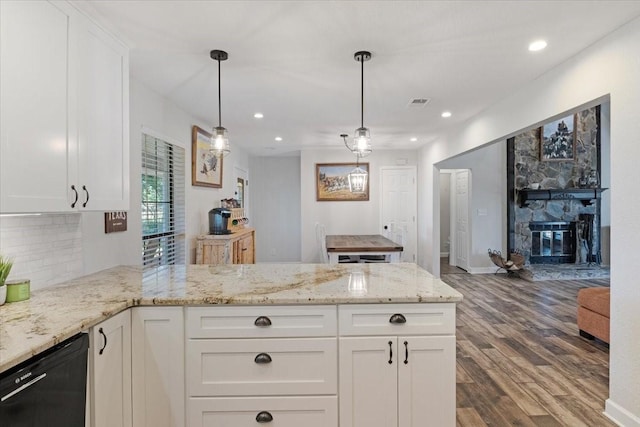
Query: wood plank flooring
{"points": [[520, 361]]}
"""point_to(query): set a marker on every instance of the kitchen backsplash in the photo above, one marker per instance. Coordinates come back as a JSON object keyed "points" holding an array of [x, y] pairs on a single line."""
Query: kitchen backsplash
{"points": [[47, 249]]}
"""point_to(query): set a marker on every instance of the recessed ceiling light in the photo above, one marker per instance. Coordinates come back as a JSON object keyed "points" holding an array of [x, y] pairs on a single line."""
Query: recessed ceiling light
{"points": [[537, 45], [446, 114], [278, 138], [258, 115], [414, 139]]}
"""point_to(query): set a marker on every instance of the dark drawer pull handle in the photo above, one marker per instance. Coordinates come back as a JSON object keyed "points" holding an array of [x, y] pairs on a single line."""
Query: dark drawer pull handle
{"points": [[264, 417], [262, 321], [73, 205], [104, 336], [398, 319], [84, 205], [262, 358], [406, 352], [390, 353]]}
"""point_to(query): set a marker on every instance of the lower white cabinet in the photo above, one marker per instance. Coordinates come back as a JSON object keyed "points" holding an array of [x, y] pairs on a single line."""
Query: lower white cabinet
{"points": [[320, 411], [397, 380], [353, 365], [281, 368], [158, 366], [110, 372]]}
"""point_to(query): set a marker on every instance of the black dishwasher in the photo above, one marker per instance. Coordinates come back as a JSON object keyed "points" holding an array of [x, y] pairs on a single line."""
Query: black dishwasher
{"points": [[49, 389]]}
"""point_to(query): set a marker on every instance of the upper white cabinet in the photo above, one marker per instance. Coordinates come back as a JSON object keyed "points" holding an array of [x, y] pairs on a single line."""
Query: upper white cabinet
{"points": [[103, 120], [64, 137]]}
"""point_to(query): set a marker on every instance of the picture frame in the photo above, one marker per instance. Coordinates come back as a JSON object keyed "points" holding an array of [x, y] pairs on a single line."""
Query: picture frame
{"points": [[332, 184], [558, 140], [206, 167]]}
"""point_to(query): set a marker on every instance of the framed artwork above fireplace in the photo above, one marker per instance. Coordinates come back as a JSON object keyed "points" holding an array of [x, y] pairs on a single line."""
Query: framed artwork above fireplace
{"points": [[558, 139]]}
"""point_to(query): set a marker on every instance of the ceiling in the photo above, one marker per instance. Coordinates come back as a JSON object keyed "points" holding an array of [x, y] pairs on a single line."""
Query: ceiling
{"points": [[293, 61]]}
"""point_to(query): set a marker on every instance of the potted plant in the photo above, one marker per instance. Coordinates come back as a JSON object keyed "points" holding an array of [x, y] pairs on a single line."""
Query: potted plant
{"points": [[5, 269]]}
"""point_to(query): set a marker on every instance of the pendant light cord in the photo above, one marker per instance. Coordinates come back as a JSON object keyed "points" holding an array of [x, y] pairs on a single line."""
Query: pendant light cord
{"points": [[362, 91], [219, 98]]}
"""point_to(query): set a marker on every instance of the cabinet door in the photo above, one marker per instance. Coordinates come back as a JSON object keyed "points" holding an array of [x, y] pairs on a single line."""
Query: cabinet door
{"points": [[103, 117], [34, 107], [158, 366], [111, 372], [427, 381], [248, 249], [212, 252], [368, 390]]}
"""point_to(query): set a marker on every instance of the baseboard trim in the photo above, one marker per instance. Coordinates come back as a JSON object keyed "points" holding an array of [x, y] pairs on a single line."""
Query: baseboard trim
{"points": [[619, 415], [444, 254]]}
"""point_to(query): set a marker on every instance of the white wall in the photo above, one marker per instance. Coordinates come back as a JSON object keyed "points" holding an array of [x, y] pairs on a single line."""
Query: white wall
{"points": [[275, 201], [487, 213], [342, 217], [609, 68]]}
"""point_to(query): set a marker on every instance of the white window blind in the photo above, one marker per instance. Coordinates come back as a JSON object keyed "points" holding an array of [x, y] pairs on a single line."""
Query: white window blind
{"points": [[163, 203]]}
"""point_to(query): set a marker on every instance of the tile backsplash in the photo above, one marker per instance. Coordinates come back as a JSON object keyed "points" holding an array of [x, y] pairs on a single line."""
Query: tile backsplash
{"points": [[47, 248]]}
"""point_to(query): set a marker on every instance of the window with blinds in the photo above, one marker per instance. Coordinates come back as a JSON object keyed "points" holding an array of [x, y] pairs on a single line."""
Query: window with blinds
{"points": [[163, 203]]}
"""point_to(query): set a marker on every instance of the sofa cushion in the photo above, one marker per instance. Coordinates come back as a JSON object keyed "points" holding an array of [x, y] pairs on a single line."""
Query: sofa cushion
{"points": [[595, 299]]}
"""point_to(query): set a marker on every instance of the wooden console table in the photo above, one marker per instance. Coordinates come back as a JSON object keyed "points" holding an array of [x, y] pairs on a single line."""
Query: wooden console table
{"points": [[235, 248]]}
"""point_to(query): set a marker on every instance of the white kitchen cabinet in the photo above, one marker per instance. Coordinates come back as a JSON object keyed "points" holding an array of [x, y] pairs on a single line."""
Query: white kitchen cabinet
{"points": [[399, 380], [158, 367], [103, 120], [248, 365], [64, 139], [110, 372], [37, 147]]}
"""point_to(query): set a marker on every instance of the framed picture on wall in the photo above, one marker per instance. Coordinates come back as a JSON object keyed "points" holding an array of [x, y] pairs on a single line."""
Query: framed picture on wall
{"points": [[558, 139], [332, 182], [206, 167]]}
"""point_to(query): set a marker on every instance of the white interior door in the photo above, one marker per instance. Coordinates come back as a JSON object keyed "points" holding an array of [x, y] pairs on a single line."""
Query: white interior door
{"points": [[462, 177], [399, 205]]}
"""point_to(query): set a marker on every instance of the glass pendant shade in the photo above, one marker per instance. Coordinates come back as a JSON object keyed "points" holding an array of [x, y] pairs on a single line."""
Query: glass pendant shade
{"points": [[362, 142], [220, 142], [358, 180]]}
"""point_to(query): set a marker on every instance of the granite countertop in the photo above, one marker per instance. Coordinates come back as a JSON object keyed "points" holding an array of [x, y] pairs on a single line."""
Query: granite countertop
{"points": [[56, 313]]}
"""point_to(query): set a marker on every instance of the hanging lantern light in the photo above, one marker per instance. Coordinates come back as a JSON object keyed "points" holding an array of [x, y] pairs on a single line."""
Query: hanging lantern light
{"points": [[361, 143], [219, 139], [358, 178]]}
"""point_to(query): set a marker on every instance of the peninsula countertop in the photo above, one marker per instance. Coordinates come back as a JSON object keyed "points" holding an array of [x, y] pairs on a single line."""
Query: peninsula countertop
{"points": [[56, 313]]}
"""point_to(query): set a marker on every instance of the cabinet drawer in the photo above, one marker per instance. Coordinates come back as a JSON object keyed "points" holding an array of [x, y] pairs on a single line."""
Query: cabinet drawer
{"points": [[276, 321], [262, 367], [421, 319], [285, 411]]}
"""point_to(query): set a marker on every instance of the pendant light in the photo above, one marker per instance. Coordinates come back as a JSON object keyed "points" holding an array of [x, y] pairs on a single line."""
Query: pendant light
{"points": [[219, 139], [361, 143], [358, 178]]}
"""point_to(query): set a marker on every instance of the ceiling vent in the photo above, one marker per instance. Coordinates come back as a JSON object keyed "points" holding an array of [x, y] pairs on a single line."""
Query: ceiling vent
{"points": [[418, 102]]}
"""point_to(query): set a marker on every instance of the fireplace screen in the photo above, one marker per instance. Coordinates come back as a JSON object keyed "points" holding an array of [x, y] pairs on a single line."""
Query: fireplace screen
{"points": [[552, 242]]}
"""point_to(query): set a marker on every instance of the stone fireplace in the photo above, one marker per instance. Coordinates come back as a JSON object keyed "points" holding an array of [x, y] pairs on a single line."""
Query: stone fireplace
{"points": [[552, 217]]}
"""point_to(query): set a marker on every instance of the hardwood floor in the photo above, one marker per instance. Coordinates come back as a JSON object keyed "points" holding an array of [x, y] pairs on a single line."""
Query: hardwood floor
{"points": [[520, 361]]}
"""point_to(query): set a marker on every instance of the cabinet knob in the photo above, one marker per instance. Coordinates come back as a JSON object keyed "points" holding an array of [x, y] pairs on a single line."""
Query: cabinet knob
{"points": [[262, 321], [397, 319], [262, 358], [264, 417]]}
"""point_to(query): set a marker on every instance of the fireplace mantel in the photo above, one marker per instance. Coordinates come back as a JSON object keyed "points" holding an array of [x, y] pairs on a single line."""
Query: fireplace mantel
{"points": [[584, 195]]}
